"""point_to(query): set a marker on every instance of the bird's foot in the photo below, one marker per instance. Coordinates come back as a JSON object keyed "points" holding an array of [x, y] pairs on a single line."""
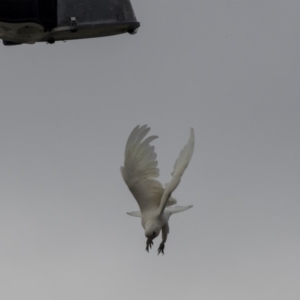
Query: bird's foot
{"points": [[161, 248], [149, 245]]}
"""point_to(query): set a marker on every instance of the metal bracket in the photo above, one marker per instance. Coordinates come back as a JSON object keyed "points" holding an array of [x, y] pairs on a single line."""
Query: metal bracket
{"points": [[73, 24]]}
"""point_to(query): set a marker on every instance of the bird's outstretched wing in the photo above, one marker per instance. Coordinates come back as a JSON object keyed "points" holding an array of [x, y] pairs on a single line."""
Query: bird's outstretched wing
{"points": [[135, 214], [179, 167], [140, 169], [174, 210]]}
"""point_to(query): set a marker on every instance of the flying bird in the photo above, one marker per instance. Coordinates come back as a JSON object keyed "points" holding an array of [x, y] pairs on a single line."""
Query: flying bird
{"points": [[154, 200]]}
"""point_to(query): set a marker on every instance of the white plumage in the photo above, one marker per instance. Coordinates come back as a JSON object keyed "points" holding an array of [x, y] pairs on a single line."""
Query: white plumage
{"points": [[139, 173]]}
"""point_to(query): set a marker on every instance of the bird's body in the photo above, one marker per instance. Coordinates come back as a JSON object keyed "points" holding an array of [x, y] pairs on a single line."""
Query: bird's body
{"points": [[139, 173]]}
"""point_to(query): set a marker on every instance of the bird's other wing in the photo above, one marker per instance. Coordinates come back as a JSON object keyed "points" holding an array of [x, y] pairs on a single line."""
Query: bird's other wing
{"points": [[179, 167], [135, 214], [177, 209], [140, 169]]}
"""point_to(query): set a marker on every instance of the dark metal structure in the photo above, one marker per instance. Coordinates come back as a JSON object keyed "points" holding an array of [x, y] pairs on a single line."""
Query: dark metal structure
{"points": [[30, 21]]}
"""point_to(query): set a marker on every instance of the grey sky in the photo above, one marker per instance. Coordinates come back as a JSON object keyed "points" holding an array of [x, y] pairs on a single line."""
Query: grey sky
{"points": [[231, 70]]}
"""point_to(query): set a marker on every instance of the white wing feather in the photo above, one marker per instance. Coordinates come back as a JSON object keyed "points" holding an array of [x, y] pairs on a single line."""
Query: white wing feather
{"points": [[135, 214], [140, 169], [175, 209], [179, 167]]}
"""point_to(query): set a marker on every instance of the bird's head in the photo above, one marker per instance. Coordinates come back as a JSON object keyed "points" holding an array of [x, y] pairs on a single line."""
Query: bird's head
{"points": [[152, 231]]}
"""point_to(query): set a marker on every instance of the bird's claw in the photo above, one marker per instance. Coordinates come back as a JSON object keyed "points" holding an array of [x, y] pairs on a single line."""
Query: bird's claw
{"points": [[149, 245], [161, 248]]}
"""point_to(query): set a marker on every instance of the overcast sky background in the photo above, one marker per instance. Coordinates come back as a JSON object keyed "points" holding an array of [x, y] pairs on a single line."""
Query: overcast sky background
{"points": [[231, 70]]}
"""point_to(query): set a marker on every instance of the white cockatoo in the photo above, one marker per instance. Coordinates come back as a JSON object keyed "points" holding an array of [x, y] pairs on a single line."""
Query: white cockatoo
{"points": [[139, 171]]}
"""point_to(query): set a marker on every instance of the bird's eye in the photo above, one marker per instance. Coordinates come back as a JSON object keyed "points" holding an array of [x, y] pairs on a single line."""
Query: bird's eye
{"points": [[154, 233]]}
